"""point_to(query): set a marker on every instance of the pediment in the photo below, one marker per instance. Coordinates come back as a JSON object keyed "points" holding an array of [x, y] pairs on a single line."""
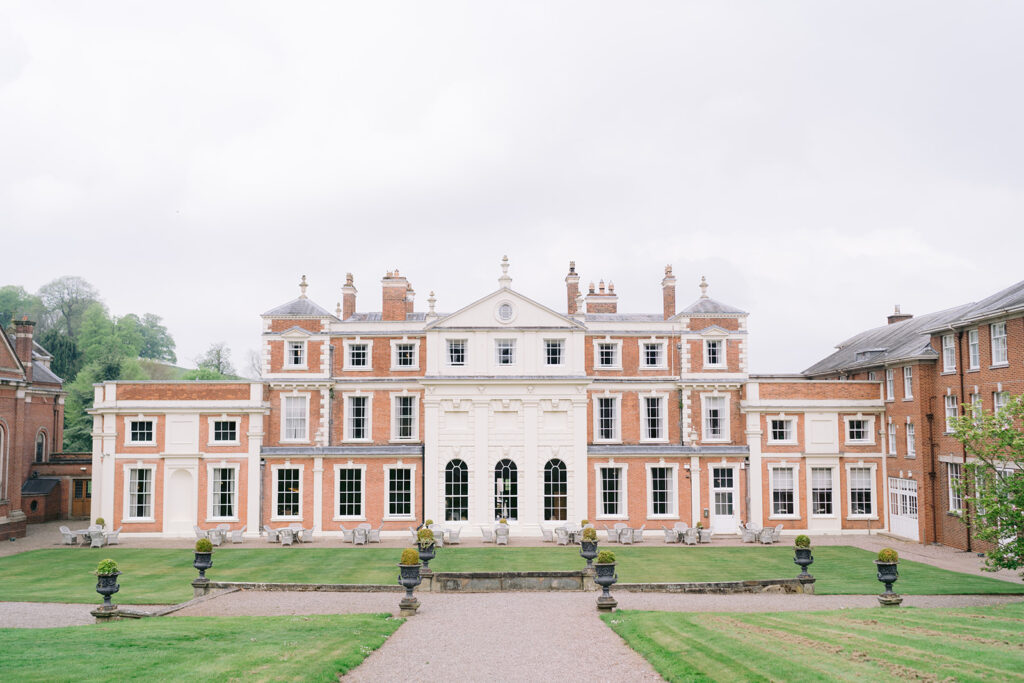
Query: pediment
{"points": [[714, 331], [296, 332], [487, 312]]}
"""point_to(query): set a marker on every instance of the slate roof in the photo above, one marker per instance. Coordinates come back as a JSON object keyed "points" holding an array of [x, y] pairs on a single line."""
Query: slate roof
{"points": [[38, 487], [377, 316], [1010, 299], [626, 317], [299, 308], [708, 306], [41, 373], [889, 343]]}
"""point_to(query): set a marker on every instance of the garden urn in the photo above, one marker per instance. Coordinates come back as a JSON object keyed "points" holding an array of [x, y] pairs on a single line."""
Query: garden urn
{"points": [[803, 559], [604, 577], [203, 562], [888, 573], [426, 555], [588, 551], [106, 585], [409, 578]]}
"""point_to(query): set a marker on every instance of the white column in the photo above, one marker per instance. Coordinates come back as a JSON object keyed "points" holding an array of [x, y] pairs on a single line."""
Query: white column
{"points": [[318, 494], [483, 513], [252, 505], [580, 463], [431, 459], [756, 511], [529, 499]]}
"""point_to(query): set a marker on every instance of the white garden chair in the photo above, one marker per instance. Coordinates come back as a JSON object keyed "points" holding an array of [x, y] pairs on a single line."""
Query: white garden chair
{"points": [[671, 535], [547, 534], [453, 535], [238, 535], [113, 537], [613, 534], [415, 538], [767, 536], [626, 536], [690, 536], [359, 537], [66, 536], [638, 534], [98, 539], [777, 534], [272, 535], [200, 533], [501, 534], [373, 536], [346, 534], [487, 534], [287, 536], [563, 535]]}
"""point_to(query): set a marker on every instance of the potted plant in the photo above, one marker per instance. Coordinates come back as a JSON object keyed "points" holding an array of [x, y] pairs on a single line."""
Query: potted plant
{"points": [[605, 576], [425, 545], [802, 554], [588, 546], [886, 564], [409, 578], [106, 581], [428, 523], [100, 522], [204, 557], [502, 521], [584, 522]]}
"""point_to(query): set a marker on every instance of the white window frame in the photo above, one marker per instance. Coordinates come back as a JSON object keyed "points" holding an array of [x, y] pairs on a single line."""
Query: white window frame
{"points": [[210, 467], [561, 353], [448, 352], [726, 421], [973, 350], [953, 496], [890, 384], [623, 513], [662, 353], [791, 429], [722, 360], [497, 354], [869, 429], [126, 506], [617, 402], [673, 512], [284, 418], [415, 436], [795, 468], [128, 430], [999, 400], [1005, 360], [836, 502], [337, 494], [911, 440], [951, 409], [347, 427], [288, 364], [211, 423], [358, 341], [617, 350], [891, 440], [415, 343], [948, 353], [662, 417], [387, 491], [873, 468], [908, 382], [274, 517]]}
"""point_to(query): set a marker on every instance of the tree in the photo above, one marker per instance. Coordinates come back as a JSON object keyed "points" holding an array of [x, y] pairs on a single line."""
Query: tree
{"points": [[992, 484], [255, 364], [218, 359], [157, 342], [67, 359], [15, 302], [66, 300], [78, 423], [96, 334], [204, 374]]}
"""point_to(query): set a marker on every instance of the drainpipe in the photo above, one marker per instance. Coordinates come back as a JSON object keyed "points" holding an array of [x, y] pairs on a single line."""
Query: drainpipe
{"points": [[963, 399], [330, 396], [931, 460], [263, 472]]}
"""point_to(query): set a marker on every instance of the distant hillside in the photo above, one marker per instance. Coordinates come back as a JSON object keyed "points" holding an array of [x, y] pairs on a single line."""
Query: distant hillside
{"points": [[158, 369]]}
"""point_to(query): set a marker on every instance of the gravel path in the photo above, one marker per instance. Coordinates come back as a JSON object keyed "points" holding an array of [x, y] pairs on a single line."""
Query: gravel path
{"points": [[53, 614]]}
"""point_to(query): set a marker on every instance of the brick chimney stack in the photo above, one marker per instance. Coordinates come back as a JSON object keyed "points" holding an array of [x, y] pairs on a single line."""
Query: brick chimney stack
{"points": [[572, 287], [897, 316], [395, 291], [348, 297], [23, 343], [602, 301], [668, 293]]}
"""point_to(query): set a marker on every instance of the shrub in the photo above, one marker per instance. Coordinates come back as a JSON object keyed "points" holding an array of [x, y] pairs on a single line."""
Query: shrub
{"points": [[410, 556], [700, 525], [106, 568], [100, 521], [204, 545], [606, 557], [590, 534], [502, 521], [584, 522], [424, 537], [888, 555], [802, 541], [429, 522]]}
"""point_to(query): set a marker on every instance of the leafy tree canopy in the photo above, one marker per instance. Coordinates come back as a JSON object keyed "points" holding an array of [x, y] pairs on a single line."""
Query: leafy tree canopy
{"points": [[218, 359], [15, 302], [66, 300], [992, 483]]}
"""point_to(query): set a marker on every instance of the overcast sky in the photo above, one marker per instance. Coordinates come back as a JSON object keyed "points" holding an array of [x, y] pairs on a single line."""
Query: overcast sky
{"points": [[817, 161]]}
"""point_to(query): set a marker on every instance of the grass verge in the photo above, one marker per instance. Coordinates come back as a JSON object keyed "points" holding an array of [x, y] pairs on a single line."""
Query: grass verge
{"points": [[972, 644], [312, 648], [160, 576]]}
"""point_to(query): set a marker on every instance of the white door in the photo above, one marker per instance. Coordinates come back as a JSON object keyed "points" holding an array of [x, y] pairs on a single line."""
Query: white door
{"points": [[903, 507], [179, 503], [724, 500]]}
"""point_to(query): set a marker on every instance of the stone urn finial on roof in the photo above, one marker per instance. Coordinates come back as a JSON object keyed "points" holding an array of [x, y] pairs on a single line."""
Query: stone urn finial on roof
{"points": [[302, 287], [703, 287]]}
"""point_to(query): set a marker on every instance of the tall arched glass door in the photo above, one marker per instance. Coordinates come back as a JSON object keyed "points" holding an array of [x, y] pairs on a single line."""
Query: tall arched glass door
{"points": [[556, 490], [456, 491], [506, 490]]}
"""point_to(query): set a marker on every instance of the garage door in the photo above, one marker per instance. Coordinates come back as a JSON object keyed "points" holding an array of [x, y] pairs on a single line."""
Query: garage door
{"points": [[903, 507]]}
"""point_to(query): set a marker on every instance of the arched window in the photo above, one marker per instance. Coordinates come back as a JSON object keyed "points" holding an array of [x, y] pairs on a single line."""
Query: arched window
{"points": [[456, 491], [41, 446], [3, 462], [556, 490], [506, 490]]}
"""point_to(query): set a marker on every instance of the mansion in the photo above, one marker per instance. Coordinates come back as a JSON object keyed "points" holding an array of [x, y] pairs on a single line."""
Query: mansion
{"points": [[506, 409]]}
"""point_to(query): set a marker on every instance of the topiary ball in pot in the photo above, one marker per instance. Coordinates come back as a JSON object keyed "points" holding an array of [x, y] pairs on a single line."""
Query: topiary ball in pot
{"points": [[588, 546], [802, 555], [425, 545], [802, 541], [410, 556], [100, 522], [204, 557], [590, 534], [428, 522], [888, 573], [606, 557], [888, 555]]}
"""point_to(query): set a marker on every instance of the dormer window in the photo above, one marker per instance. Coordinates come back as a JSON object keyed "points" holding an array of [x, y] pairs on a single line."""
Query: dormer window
{"points": [[295, 354]]}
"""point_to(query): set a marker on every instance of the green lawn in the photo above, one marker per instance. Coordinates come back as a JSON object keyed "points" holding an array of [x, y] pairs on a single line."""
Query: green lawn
{"points": [[314, 648], [156, 576], [982, 643]]}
